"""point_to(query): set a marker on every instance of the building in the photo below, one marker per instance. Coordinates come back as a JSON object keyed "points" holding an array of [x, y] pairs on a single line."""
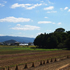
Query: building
{"points": [[23, 44], [16, 43]]}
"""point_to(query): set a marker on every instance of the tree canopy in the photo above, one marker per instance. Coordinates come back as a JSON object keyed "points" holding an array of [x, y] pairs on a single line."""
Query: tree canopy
{"points": [[60, 30], [57, 39]]}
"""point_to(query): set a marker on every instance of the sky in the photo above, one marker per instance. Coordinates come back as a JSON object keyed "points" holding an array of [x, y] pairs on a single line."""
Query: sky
{"points": [[29, 18]]}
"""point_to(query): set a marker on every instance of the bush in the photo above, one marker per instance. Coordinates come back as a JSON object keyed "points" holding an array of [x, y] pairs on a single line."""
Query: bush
{"points": [[61, 45]]}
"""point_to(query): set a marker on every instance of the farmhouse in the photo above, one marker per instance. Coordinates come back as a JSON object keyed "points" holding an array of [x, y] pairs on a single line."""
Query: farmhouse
{"points": [[16, 43]]}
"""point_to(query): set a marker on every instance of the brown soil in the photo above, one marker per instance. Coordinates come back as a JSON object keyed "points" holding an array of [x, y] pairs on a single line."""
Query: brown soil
{"points": [[14, 59], [66, 68], [53, 66]]}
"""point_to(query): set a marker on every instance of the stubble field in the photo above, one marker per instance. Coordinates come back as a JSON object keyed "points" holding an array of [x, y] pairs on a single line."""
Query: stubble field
{"points": [[12, 57]]}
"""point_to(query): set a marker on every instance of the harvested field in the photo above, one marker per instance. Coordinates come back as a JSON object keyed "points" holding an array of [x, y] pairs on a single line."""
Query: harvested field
{"points": [[53, 66], [65, 67], [22, 58]]}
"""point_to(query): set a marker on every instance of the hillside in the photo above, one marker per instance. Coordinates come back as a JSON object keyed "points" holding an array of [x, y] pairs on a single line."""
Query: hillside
{"points": [[10, 41], [19, 39]]}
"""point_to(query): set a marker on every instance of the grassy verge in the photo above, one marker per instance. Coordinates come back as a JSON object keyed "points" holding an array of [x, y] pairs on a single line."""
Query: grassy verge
{"points": [[21, 49]]}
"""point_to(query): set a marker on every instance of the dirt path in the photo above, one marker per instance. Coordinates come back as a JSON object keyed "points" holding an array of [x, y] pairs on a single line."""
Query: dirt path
{"points": [[53, 66]]}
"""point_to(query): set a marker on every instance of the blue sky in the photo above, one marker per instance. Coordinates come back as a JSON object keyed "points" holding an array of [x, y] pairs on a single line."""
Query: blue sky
{"points": [[28, 18]]}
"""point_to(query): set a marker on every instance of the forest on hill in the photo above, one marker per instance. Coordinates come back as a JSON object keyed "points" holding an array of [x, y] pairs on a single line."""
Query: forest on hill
{"points": [[57, 39]]}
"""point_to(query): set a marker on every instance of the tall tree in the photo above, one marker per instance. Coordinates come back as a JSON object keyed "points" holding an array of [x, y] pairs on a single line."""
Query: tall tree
{"points": [[60, 30], [58, 39], [67, 42]]}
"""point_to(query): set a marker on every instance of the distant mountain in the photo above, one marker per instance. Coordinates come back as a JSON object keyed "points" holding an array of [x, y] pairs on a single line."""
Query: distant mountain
{"points": [[10, 41], [19, 39]]}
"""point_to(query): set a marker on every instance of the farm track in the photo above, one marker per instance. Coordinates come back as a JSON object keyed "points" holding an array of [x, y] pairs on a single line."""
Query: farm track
{"points": [[12, 59]]}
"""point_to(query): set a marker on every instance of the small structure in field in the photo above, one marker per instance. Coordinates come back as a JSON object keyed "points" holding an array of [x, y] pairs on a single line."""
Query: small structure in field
{"points": [[16, 43]]}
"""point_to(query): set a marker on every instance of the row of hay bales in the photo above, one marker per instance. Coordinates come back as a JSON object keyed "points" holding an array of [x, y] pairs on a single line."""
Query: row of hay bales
{"points": [[34, 64]]}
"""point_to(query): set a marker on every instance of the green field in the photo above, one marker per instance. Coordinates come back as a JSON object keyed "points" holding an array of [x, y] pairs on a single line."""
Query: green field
{"points": [[21, 49]]}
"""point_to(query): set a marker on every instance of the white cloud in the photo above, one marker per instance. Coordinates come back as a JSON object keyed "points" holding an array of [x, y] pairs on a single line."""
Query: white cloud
{"points": [[50, 2], [65, 8], [47, 22], [59, 23], [53, 23], [45, 17], [14, 20], [51, 11], [1, 35], [5, 1], [43, 3], [18, 25], [62, 9], [69, 10], [26, 27], [1, 5], [26, 6], [33, 6], [19, 5], [49, 8], [44, 22]]}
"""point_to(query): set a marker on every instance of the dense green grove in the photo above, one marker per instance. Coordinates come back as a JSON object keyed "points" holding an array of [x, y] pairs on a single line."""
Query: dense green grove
{"points": [[57, 39]]}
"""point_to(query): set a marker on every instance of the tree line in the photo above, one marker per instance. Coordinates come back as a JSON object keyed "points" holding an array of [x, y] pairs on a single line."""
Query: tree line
{"points": [[57, 39]]}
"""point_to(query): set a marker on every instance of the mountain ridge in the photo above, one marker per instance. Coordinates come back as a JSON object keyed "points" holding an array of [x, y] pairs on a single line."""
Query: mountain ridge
{"points": [[17, 38]]}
